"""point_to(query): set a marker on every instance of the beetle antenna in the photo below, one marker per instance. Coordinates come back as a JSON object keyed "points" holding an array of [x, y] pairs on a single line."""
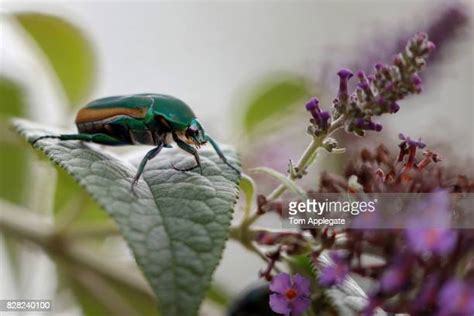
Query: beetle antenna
{"points": [[220, 154], [43, 137]]}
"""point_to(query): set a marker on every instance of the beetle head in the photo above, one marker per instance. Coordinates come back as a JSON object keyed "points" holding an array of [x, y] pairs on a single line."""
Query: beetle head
{"points": [[195, 133]]}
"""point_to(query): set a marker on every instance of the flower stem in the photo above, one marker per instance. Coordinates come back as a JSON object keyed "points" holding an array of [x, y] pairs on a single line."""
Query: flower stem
{"points": [[243, 233], [304, 162]]}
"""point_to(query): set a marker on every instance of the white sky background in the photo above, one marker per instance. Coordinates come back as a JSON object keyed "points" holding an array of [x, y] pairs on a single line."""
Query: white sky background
{"points": [[209, 53]]}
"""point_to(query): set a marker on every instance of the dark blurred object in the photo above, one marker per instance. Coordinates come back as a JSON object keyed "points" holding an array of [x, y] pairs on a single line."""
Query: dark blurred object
{"points": [[252, 302]]}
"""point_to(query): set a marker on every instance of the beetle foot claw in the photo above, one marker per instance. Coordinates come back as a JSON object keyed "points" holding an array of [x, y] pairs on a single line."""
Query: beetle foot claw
{"points": [[134, 183]]}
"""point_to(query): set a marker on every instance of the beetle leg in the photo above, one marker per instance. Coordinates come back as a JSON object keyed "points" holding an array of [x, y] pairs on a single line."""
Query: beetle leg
{"points": [[43, 137], [188, 148], [98, 138], [220, 154], [149, 155]]}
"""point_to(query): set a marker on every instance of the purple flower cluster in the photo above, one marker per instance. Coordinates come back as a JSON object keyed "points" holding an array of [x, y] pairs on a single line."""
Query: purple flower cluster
{"points": [[375, 94], [378, 93], [427, 269]]}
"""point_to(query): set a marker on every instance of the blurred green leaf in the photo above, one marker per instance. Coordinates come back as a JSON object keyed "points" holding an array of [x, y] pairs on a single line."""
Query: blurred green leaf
{"points": [[89, 303], [218, 295], [301, 264], [13, 158], [13, 162], [67, 49], [12, 256], [11, 97], [12, 169], [177, 222], [275, 97]]}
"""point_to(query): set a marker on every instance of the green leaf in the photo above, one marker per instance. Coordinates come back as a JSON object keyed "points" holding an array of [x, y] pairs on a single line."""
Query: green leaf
{"points": [[67, 49], [12, 96], [177, 223], [247, 185], [290, 185], [275, 97], [13, 161], [98, 295], [218, 295], [301, 264]]}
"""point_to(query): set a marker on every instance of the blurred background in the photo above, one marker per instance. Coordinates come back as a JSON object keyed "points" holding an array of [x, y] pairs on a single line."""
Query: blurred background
{"points": [[245, 67]]}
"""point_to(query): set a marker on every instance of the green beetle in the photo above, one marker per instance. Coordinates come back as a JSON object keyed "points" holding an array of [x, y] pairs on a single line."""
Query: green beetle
{"points": [[147, 119]]}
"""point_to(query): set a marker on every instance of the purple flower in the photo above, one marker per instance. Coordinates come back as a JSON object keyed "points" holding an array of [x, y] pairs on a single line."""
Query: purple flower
{"points": [[435, 240], [410, 142], [393, 280], [416, 84], [397, 276], [456, 298], [344, 76], [394, 107], [364, 84], [378, 93], [335, 273], [325, 116], [313, 105], [366, 124], [416, 80], [428, 230], [291, 295], [320, 118]]}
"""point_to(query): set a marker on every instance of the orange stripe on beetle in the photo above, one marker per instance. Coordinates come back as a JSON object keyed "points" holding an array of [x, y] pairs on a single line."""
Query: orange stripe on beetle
{"points": [[90, 115]]}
